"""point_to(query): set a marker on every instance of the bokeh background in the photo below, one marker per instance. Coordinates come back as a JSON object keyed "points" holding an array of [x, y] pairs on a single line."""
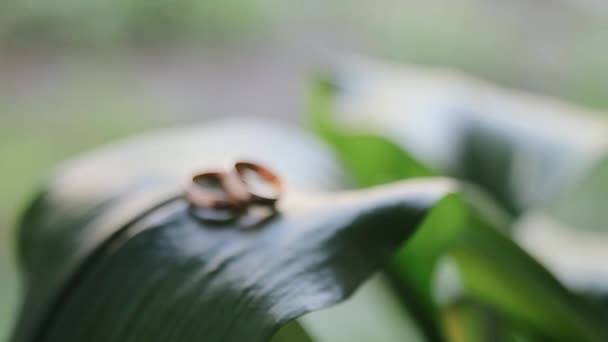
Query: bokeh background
{"points": [[77, 73]]}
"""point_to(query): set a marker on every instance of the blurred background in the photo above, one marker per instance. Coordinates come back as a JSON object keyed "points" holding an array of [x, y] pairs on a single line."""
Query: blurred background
{"points": [[77, 73]]}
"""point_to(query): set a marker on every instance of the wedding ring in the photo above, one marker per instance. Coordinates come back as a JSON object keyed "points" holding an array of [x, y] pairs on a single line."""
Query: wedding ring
{"points": [[210, 195], [223, 196], [266, 192]]}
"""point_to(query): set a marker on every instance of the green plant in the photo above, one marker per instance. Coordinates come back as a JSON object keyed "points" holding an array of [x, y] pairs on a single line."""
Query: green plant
{"points": [[485, 141], [110, 251]]}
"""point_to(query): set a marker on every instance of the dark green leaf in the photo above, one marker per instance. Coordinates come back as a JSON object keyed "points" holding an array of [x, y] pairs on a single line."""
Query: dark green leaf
{"points": [[110, 252]]}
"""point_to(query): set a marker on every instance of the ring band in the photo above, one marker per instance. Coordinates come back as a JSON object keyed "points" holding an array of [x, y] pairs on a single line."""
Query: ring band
{"points": [[234, 194], [266, 175], [201, 198]]}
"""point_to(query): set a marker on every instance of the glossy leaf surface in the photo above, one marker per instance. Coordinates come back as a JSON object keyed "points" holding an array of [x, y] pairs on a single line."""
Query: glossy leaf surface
{"points": [[111, 252]]}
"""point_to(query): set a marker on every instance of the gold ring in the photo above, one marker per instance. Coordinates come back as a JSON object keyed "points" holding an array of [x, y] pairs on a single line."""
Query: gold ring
{"points": [[256, 196], [223, 196], [200, 197]]}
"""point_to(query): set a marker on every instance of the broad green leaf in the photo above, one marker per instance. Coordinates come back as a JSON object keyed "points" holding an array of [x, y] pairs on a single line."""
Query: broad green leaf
{"points": [[454, 224], [494, 270], [528, 152], [111, 252], [497, 272], [170, 277], [87, 200]]}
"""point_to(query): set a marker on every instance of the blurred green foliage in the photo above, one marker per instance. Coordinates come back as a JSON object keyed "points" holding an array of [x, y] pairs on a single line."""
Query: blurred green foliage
{"points": [[471, 230], [109, 22]]}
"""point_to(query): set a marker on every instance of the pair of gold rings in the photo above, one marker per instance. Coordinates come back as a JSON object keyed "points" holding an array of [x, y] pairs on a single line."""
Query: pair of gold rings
{"points": [[224, 195]]}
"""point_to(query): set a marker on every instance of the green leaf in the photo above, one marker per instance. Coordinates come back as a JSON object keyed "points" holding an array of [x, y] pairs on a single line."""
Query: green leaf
{"points": [[494, 270], [526, 151], [499, 273], [177, 279], [89, 199], [358, 151], [457, 224], [111, 252]]}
